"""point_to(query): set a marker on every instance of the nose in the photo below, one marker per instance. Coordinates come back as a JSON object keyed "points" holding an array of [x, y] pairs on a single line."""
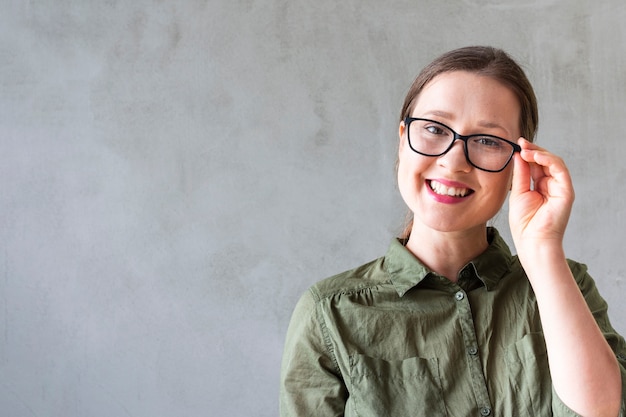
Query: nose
{"points": [[455, 159]]}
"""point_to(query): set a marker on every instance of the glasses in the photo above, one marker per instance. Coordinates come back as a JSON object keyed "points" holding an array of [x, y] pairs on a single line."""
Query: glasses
{"points": [[485, 152]]}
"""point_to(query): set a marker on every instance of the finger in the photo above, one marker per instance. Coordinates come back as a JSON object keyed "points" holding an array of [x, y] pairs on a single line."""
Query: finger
{"points": [[528, 145], [521, 175], [528, 153], [546, 164], [547, 171]]}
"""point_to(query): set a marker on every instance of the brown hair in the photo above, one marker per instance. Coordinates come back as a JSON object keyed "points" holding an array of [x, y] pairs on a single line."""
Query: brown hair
{"points": [[485, 61]]}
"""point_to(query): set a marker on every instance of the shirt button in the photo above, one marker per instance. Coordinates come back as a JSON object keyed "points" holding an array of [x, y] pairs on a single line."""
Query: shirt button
{"points": [[485, 411], [472, 350], [459, 295], [465, 274]]}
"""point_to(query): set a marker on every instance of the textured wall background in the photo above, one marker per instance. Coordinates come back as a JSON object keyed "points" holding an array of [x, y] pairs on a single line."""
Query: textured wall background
{"points": [[175, 174]]}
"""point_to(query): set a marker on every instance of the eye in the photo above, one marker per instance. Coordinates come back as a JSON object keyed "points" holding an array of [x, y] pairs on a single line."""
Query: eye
{"points": [[435, 130], [488, 142]]}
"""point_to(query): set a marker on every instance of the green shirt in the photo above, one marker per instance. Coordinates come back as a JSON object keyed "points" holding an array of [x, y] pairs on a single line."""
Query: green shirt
{"points": [[391, 338]]}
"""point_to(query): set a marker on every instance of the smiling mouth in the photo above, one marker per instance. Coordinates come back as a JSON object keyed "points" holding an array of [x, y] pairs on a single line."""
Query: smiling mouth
{"points": [[439, 188]]}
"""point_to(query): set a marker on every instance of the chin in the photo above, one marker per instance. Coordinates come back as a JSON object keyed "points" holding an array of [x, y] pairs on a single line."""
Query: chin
{"points": [[453, 226]]}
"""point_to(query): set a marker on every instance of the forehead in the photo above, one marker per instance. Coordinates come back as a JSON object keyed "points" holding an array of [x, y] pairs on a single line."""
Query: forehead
{"points": [[466, 98]]}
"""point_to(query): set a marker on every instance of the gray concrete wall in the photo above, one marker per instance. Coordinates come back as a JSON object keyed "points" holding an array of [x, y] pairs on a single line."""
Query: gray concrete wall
{"points": [[175, 174]]}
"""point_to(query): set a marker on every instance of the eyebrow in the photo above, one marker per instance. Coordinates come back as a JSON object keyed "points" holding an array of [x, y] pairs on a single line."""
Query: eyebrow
{"points": [[482, 123]]}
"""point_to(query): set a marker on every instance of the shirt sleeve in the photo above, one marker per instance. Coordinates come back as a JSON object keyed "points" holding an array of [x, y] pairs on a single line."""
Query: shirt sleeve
{"points": [[599, 309], [311, 384]]}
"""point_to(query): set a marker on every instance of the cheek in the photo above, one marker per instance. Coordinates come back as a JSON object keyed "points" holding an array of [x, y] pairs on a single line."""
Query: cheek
{"points": [[403, 177], [499, 189], [404, 169], [409, 173], [411, 163], [406, 187]]}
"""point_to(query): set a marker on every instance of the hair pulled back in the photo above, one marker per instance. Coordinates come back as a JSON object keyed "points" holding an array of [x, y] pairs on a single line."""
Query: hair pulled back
{"points": [[485, 61]]}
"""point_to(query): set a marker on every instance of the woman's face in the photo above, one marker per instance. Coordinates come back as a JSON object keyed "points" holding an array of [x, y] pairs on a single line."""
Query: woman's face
{"points": [[446, 193]]}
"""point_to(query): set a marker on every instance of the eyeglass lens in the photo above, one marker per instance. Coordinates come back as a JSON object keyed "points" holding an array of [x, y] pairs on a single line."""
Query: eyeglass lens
{"points": [[486, 152]]}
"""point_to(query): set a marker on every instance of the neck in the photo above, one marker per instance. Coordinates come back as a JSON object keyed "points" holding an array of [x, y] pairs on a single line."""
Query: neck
{"points": [[446, 253]]}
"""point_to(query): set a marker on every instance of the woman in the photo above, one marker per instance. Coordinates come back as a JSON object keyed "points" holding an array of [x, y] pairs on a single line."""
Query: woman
{"points": [[448, 322]]}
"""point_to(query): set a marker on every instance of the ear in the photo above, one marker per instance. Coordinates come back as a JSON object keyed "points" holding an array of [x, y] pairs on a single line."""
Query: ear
{"points": [[401, 133]]}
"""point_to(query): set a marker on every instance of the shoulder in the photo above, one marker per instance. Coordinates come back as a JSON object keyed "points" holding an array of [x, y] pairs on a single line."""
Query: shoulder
{"points": [[365, 276], [305, 314], [580, 272], [588, 288]]}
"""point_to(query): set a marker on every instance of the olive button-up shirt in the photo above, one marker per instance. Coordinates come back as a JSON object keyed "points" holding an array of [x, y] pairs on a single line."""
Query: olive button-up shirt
{"points": [[391, 338]]}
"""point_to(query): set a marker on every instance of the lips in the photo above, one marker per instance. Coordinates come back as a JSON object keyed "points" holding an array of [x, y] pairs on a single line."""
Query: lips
{"points": [[449, 190]]}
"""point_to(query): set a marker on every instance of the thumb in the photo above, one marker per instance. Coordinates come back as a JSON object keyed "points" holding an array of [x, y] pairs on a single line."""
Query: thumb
{"points": [[521, 175]]}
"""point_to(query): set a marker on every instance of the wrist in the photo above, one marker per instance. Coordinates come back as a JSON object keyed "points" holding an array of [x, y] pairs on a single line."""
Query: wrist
{"points": [[543, 256]]}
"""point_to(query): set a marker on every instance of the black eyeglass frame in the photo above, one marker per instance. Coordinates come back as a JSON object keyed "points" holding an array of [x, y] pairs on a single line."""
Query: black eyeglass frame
{"points": [[516, 148]]}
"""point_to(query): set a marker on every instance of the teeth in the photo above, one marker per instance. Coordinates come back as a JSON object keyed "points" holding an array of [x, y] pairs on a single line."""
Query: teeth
{"points": [[450, 191]]}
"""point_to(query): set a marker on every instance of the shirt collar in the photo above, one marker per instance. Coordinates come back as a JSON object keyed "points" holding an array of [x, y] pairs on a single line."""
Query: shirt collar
{"points": [[407, 271]]}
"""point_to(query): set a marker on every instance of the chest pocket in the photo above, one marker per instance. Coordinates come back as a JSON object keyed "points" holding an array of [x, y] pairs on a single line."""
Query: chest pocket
{"points": [[409, 387], [530, 384]]}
